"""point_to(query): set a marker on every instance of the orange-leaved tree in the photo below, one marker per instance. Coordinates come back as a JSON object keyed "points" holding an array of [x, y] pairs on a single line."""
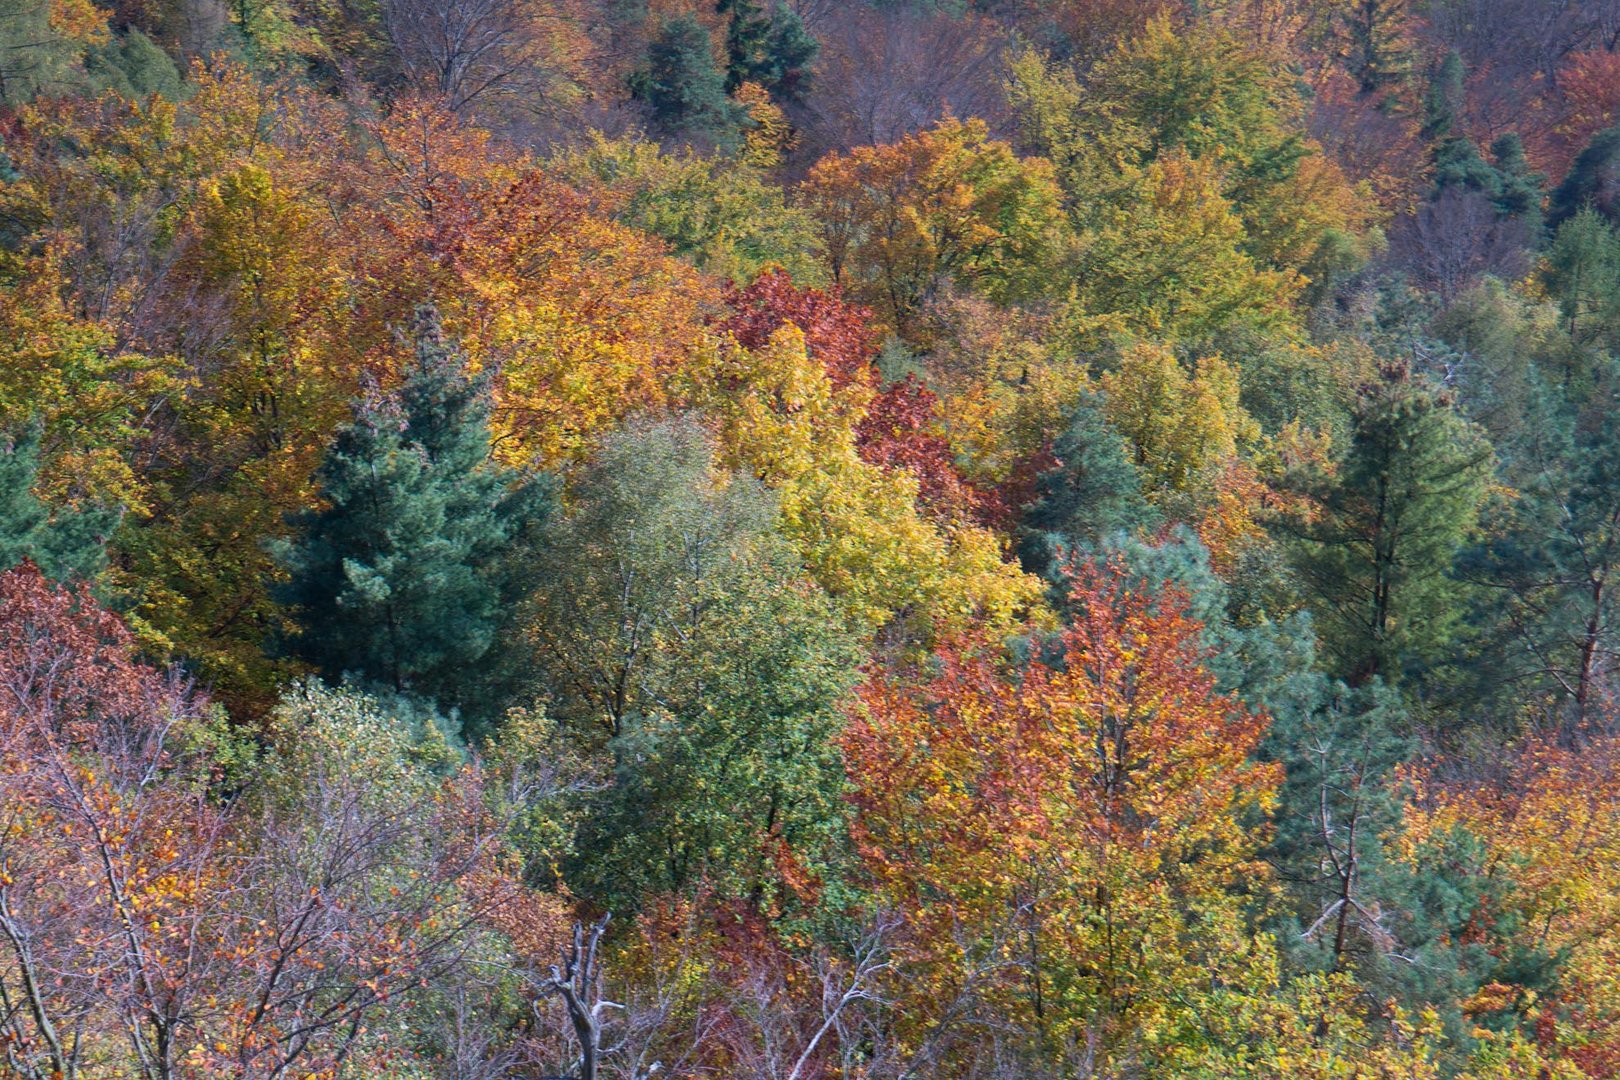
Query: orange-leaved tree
{"points": [[151, 928], [945, 205], [1548, 829], [1073, 838], [107, 842]]}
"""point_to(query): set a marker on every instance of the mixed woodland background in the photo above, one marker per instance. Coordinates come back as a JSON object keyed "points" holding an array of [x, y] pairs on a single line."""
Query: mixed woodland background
{"points": [[791, 540]]}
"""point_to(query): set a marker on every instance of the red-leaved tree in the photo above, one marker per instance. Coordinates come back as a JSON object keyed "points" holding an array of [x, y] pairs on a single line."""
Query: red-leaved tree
{"points": [[902, 427]]}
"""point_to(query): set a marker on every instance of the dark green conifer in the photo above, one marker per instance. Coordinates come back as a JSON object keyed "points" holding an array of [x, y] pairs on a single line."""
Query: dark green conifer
{"points": [[132, 65], [1552, 565], [684, 87], [1582, 272], [1092, 490], [767, 43], [1594, 180], [1518, 189], [1457, 161], [1506, 180], [1399, 926], [404, 579], [64, 544], [1390, 521], [1379, 53]]}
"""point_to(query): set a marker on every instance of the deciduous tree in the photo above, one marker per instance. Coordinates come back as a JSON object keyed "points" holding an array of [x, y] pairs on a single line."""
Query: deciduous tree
{"points": [[1064, 834], [1178, 426], [109, 844], [723, 216], [681, 639], [946, 205], [781, 418]]}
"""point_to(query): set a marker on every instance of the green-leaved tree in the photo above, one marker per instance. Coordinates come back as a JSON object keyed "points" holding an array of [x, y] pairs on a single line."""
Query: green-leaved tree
{"points": [[681, 642]]}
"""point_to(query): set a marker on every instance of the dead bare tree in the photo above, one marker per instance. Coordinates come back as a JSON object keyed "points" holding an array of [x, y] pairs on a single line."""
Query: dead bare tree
{"points": [[886, 73], [1457, 239], [788, 1016], [845, 986], [577, 982], [1519, 40], [467, 51]]}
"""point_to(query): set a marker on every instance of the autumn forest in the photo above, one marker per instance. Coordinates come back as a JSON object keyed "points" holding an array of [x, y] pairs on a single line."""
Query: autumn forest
{"points": [[810, 539]]}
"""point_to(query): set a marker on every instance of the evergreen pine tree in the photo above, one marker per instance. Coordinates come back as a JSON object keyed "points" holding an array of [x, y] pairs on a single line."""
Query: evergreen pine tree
{"points": [[1457, 161], [132, 65], [8, 168], [1518, 193], [1398, 925], [1442, 99], [1092, 491], [36, 55], [1554, 562], [682, 84], [767, 44], [1390, 522], [1353, 906], [65, 545], [1594, 180], [793, 49], [1380, 48], [1514, 190], [403, 580], [1339, 748], [1582, 272], [748, 34]]}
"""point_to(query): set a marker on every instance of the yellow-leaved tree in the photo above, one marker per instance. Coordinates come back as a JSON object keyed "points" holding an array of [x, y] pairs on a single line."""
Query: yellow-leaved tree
{"points": [[1180, 425], [1199, 198], [855, 523], [1548, 832]]}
